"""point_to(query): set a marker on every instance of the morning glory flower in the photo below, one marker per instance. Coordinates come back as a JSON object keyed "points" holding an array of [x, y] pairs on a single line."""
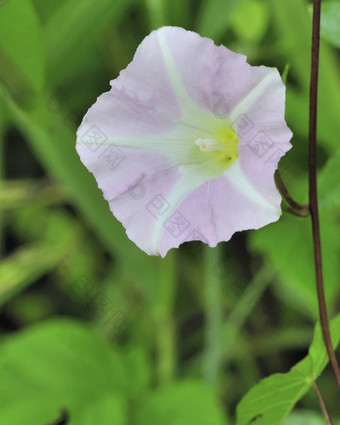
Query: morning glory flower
{"points": [[185, 144]]}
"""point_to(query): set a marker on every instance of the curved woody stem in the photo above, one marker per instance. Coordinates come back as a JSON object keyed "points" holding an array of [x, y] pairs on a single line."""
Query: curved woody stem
{"points": [[313, 199], [294, 207]]}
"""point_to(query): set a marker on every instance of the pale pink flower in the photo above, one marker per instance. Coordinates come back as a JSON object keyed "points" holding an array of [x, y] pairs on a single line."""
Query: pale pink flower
{"points": [[185, 144]]}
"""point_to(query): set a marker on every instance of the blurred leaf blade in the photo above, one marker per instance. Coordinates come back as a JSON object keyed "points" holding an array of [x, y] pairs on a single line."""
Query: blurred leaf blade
{"points": [[299, 276], [250, 20], [15, 194], [330, 22], [181, 403], [57, 152], [64, 364], [329, 184], [294, 25], [21, 46], [108, 410], [77, 25], [25, 266], [214, 17]]}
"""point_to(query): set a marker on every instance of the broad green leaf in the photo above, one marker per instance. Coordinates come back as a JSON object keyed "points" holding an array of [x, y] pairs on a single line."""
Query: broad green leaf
{"points": [[109, 410], [249, 20], [29, 411], [287, 244], [76, 26], [181, 403], [214, 17], [61, 365], [21, 46], [271, 400], [24, 267]]}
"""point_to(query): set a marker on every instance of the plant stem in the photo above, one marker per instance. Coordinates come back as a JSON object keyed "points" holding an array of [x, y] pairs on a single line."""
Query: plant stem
{"points": [[164, 319], [322, 404], [156, 11], [213, 313], [247, 302], [313, 199], [297, 213], [284, 192]]}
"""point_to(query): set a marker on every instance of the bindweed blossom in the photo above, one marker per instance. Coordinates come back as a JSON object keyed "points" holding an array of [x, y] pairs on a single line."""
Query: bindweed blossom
{"points": [[185, 144]]}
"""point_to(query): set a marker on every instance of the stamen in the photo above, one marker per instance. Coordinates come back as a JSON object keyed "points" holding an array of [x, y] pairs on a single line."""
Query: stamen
{"points": [[207, 145]]}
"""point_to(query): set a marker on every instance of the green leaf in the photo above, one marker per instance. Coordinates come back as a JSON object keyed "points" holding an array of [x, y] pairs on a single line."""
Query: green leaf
{"points": [[271, 400], [46, 8], [21, 46], [249, 20], [214, 17], [109, 410], [61, 365], [29, 411], [181, 403]]}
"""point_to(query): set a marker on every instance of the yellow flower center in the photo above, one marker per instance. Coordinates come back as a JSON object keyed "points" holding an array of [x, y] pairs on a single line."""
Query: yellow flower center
{"points": [[222, 147]]}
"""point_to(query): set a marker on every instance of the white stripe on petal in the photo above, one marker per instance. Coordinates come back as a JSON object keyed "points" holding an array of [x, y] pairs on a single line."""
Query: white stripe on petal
{"points": [[190, 180], [192, 114], [178, 142], [251, 97], [237, 177]]}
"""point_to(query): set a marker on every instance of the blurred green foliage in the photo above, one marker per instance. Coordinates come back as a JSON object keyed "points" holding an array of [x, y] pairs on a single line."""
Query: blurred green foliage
{"points": [[146, 340]]}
